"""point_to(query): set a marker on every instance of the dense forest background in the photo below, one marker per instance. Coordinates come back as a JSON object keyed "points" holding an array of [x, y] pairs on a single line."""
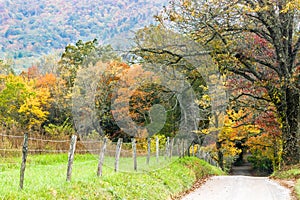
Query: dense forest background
{"points": [[30, 29]]}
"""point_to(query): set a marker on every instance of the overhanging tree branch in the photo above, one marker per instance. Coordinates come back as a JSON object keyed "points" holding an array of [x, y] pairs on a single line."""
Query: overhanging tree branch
{"points": [[252, 96]]}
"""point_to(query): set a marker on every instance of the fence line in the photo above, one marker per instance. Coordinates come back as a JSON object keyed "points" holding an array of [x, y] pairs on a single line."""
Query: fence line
{"points": [[170, 147], [77, 163], [169, 143], [13, 136], [90, 141], [35, 139], [50, 151], [167, 149], [12, 150]]}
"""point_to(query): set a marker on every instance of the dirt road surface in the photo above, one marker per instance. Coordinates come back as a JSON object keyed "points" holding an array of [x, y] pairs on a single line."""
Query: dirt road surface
{"points": [[239, 188]]}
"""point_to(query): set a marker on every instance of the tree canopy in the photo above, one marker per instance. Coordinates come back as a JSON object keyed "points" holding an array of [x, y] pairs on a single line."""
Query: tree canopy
{"points": [[256, 40]]}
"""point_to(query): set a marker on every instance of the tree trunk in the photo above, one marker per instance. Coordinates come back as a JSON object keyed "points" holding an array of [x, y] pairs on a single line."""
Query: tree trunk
{"points": [[290, 125], [220, 154]]}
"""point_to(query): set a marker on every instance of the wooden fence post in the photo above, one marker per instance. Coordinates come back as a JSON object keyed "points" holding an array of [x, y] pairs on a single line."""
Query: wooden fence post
{"points": [[171, 147], [71, 156], [101, 158], [157, 149], [178, 148], [167, 148], [183, 148], [24, 157], [148, 150], [118, 152], [134, 154]]}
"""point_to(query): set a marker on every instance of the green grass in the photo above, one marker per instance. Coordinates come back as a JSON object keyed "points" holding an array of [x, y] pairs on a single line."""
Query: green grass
{"points": [[292, 173], [45, 178]]}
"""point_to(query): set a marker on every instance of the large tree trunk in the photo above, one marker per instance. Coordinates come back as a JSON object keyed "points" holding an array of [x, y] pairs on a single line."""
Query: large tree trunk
{"points": [[290, 127], [220, 154]]}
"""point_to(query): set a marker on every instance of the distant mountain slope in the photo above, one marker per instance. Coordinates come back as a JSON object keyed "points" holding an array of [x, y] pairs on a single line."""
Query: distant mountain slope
{"points": [[31, 28]]}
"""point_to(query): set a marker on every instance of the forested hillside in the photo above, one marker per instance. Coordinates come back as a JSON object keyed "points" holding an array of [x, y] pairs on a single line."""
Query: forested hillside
{"points": [[29, 29]]}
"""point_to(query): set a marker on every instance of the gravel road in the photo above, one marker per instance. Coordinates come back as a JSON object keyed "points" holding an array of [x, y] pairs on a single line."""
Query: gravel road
{"points": [[239, 188]]}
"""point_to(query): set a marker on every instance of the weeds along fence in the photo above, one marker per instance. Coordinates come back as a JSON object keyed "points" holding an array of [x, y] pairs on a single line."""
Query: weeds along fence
{"points": [[136, 155]]}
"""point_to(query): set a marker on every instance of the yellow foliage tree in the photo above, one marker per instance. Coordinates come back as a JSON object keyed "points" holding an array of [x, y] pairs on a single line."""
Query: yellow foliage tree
{"points": [[23, 103]]}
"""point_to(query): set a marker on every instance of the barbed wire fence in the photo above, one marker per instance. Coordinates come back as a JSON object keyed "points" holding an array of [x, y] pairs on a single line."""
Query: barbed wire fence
{"points": [[139, 155]]}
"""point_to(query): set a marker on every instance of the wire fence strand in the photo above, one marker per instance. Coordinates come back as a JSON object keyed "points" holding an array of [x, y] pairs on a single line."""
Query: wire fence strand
{"points": [[55, 146]]}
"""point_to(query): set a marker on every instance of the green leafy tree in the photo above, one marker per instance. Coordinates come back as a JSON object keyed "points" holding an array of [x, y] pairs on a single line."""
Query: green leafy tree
{"points": [[81, 55]]}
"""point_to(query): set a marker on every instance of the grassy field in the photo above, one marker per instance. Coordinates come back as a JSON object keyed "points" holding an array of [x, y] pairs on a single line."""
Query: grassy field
{"points": [[291, 173], [45, 178]]}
